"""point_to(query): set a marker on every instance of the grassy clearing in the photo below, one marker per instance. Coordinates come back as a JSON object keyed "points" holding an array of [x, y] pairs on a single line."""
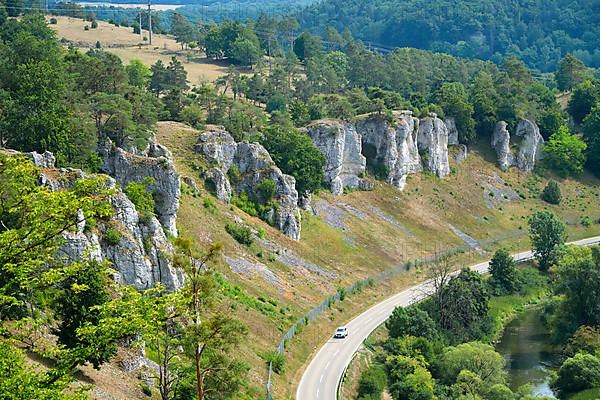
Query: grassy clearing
{"points": [[127, 45], [590, 394], [368, 244]]}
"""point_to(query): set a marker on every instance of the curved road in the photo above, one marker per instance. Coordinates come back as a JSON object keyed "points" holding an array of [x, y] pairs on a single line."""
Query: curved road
{"points": [[321, 378]]}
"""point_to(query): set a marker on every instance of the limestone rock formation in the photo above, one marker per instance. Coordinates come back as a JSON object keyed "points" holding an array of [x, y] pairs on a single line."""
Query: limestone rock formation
{"points": [[236, 168], [501, 144], [452, 131], [528, 146], [157, 163], [141, 257], [461, 153], [391, 144], [341, 145], [433, 143]]}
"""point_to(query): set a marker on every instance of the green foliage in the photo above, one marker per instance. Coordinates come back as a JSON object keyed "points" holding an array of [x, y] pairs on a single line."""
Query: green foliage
{"points": [[452, 97], [409, 378], [551, 193], [576, 276], [18, 381], [76, 306], [489, 30], [460, 306], [547, 235], [296, 155], [242, 234], [478, 358], [578, 373], [584, 98], [591, 136], [570, 72], [504, 279], [138, 74], [277, 360], [411, 321], [112, 237], [372, 383], [565, 153], [140, 195]]}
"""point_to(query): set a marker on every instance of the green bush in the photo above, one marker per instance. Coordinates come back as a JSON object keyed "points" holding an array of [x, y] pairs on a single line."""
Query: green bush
{"points": [[94, 24], [53, 21], [242, 234], [266, 190], [371, 383], [277, 360], [141, 196], [112, 237], [551, 193], [578, 373], [209, 204]]}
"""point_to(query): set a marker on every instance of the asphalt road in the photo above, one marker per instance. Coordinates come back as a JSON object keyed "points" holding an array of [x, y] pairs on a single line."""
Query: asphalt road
{"points": [[321, 378]]}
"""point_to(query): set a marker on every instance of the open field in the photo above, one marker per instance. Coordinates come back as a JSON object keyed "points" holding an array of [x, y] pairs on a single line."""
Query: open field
{"points": [[127, 45], [373, 232]]}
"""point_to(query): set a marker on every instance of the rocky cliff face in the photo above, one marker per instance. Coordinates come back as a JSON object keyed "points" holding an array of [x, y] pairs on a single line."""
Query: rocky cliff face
{"points": [[141, 256], [526, 149], [237, 168], [157, 163], [392, 144], [341, 145], [452, 131], [433, 143]]}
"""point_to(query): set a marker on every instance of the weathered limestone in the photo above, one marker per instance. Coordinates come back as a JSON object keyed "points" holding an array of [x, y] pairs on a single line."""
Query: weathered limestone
{"points": [[525, 152], [341, 145], [392, 144], [433, 143], [237, 168], [158, 164], [141, 258], [452, 131]]}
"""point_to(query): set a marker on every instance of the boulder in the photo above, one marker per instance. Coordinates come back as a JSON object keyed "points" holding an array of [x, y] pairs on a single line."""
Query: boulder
{"points": [[523, 151], [433, 143], [158, 164], [461, 153], [341, 145], [45, 160], [391, 144], [253, 165]]}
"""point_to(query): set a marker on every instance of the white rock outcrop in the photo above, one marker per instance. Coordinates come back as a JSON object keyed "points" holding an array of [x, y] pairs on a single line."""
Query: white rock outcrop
{"points": [[452, 131], [141, 256], [341, 145], [158, 164], [236, 168], [392, 144], [433, 143], [526, 149]]}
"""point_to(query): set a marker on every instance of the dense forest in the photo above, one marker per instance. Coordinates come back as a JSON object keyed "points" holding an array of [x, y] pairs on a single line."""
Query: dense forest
{"points": [[538, 32]]}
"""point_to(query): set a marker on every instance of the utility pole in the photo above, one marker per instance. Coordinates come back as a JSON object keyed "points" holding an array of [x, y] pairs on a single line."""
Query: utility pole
{"points": [[149, 24], [141, 34]]}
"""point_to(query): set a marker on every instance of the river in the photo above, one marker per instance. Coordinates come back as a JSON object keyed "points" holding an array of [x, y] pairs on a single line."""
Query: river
{"points": [[530, 358]]}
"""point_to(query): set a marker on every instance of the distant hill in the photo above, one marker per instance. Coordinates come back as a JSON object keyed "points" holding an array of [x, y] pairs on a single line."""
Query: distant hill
{"points": [[539, 32]]}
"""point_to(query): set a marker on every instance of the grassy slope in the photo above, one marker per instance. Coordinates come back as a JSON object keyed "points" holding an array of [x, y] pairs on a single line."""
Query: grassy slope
{"points": [[425, 207]]}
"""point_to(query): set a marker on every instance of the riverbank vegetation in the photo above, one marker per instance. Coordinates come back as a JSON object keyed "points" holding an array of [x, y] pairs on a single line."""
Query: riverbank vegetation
{"points": [[442, 347]]}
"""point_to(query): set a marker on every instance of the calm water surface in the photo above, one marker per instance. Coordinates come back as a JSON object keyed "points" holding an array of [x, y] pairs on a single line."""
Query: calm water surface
{"points": [[530, 358]]}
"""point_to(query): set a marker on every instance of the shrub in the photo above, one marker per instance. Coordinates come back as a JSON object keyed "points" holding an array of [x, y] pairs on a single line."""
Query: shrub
{"points": [[277, 361], [141, 197], [266, 190], [112, 237], [86, 28], [209, 204], [53, 21], [94, 24], [371, 383], [551, 193], [242, 234], [578, 373], [98, 44]]}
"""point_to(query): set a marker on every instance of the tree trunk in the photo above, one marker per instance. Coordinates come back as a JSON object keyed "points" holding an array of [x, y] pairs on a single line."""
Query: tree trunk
{"points": [[199, 375]]}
